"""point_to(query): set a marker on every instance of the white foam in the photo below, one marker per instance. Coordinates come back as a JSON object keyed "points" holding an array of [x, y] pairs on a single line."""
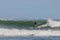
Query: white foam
{"points": [[53, 23], [17, 32]]}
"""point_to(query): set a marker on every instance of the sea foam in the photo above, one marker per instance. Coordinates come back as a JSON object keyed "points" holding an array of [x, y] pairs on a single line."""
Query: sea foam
{"points": [[24, 32]]}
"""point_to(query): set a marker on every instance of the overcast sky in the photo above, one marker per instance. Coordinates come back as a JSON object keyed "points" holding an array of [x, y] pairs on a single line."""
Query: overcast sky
{"points": [[30, 9]]}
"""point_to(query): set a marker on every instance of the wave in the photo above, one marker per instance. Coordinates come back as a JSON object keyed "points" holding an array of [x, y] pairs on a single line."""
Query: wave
{"points": [[51, 23], [24, 32]]}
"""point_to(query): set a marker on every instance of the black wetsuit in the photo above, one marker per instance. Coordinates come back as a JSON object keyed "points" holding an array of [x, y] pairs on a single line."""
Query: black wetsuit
{"points": [[34, 26]]}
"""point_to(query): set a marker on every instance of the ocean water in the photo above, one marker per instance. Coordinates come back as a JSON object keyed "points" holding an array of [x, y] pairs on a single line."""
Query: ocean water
{"points": [[24, 37], [9, 32], [30, 38]]}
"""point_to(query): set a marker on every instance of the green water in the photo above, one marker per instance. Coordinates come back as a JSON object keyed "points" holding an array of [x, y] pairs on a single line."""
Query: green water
{"points": [[21, 23]]}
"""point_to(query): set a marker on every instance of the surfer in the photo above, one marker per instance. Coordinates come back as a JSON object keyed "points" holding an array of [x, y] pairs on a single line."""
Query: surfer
{"points": [[34, 25]]}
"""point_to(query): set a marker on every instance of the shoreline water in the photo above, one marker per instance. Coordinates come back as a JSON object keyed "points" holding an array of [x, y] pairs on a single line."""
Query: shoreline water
{"points": [[31, 38]]}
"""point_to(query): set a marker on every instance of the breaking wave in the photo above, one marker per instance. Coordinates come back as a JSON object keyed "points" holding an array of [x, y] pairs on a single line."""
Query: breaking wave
{"points": [[7, 31], [25, 32]]}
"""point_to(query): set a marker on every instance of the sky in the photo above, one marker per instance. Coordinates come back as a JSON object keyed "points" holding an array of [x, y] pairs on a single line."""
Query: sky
{"points": [[30, 9]]}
